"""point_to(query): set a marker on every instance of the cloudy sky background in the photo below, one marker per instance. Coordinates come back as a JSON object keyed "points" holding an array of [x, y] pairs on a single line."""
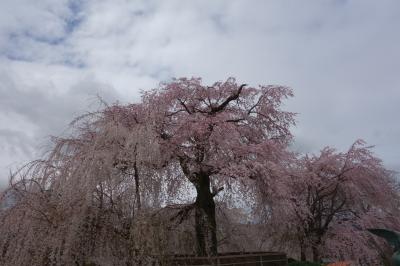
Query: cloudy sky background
{"points": [[341, 57]]}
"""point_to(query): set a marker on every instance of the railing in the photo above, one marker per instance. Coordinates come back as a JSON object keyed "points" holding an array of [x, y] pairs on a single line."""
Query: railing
{"points": [[232, 259]]}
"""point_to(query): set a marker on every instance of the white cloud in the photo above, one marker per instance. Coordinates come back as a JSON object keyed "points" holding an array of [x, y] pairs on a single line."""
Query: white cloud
{"points": [[38, 101], [341, 58]]}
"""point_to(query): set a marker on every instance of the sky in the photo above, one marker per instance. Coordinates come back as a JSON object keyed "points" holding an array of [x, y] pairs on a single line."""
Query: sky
{"points": [[341, 58]]}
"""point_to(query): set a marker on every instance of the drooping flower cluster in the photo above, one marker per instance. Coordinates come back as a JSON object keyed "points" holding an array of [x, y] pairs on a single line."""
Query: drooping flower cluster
{"points": [[120, 189], [335, 197]]}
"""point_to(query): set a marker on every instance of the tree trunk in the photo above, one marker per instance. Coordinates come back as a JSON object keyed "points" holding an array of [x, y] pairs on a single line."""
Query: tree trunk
{"points": [[315, 252], [316, 243], [137, 187], [302, 252], [205, 224]]}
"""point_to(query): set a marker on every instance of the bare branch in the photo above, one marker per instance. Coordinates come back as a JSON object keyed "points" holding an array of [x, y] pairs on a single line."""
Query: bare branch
{"points": [[228, 100]]}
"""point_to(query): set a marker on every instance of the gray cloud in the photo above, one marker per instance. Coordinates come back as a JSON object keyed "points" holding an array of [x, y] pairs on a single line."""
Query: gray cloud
{"points": [[340, 57], [32, 109]]}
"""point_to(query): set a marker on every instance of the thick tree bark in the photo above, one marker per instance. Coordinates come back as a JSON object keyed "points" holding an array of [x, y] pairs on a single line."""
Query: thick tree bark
{"points": [[303, 256], [316, 243], [315, 254], [302, 252], [205, 223], [137, 186]]}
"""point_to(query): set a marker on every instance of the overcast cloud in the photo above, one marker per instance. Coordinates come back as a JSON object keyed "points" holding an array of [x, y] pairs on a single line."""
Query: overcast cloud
{"points": [[341, 58]]}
